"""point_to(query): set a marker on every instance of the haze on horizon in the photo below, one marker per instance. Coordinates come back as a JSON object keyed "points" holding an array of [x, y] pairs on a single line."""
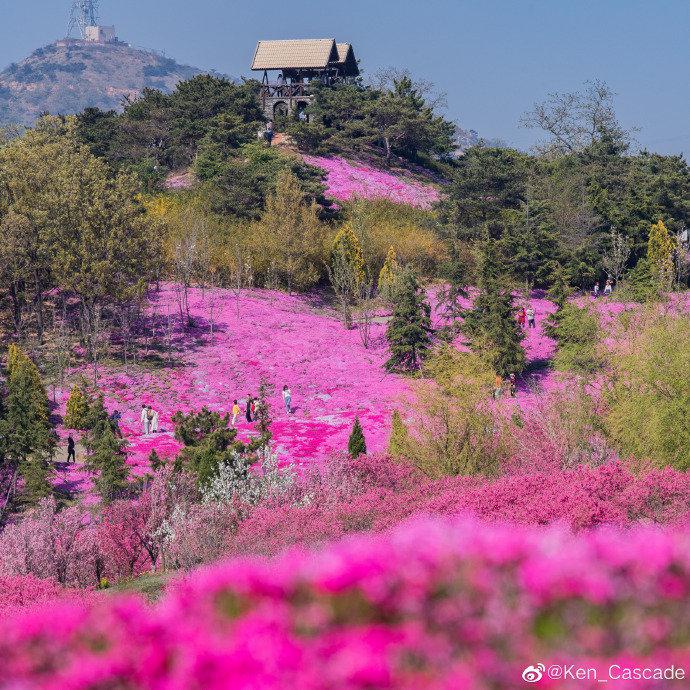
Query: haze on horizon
{"points": [[493, 59]]}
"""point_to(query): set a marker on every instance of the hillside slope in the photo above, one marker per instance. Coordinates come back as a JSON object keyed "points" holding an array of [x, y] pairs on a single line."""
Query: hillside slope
{"points": [[70, 75]]}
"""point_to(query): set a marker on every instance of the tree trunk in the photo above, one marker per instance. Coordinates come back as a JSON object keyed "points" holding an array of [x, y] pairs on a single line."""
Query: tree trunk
{"points": [[38, 300]]}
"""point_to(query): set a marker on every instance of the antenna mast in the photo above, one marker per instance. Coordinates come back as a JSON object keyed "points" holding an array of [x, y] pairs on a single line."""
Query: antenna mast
{"points": [[84, 13]]}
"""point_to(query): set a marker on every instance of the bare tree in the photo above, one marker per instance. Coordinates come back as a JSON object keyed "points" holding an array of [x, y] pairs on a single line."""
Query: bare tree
{"points": [[366, 313], [576, 120], [680, 258], [241, 274], [345, 283], [190, 257], [616, 256]]}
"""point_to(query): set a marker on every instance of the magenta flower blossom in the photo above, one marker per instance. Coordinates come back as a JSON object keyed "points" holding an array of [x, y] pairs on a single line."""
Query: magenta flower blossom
{"points": [[434, 603]]}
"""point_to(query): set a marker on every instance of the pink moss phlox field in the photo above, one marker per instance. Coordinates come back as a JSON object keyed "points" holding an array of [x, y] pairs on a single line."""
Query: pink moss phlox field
{"points": [[434, 603], [332, 376], [346, 180]]}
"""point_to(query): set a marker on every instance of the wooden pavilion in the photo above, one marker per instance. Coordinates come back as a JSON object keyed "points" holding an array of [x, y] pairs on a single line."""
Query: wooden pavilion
{"points": [[300, 64]]}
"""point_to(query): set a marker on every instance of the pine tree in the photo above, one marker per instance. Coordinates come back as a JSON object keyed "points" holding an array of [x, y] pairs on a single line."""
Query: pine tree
{"points": [[660, 249], [397, 446], [77, 409], [295, 232], [96, 422], [155, 462], [347, 245], [346, 271], [263, 413], [357, 445], [491, 326], [28, 438], [409, 329], [389, 275], [109, 461], [560, 289]]}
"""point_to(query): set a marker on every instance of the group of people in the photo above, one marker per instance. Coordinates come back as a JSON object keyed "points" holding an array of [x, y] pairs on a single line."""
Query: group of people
{"points": [[527, 317], [250, 409], [149, 420], [608, 288], [149, 416]]}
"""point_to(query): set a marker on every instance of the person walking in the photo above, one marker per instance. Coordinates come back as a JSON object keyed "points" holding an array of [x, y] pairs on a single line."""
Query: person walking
{"points": [[250, 404], [498, 388], [608, 288], [596, 290], [513, 385], [144, 417], [287, 397], [71, 450], [522, 317], [530, 318], [154, 421], [235, 412]]}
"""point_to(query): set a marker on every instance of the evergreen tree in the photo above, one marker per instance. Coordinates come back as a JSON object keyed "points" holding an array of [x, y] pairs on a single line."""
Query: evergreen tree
{"points": [[28, 439], [77, 409], [577, 331], [155, 462], [209, 443], [96, 423], [347, 250], [389, 275], [560, 289], [109, 461], [660, 249], [293, 232], [357, 445], [491, 326], [263, 414], [409, 329], [397, 445]]}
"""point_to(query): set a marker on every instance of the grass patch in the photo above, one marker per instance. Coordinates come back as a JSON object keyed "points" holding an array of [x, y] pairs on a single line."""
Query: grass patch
{"points": [[151, 585]]}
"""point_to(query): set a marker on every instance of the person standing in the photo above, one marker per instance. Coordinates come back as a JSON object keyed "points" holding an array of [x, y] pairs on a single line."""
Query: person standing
{"points": [[145, 419], [608, 288], [287, 397], [513, 385], [530, 318], [71, 450], [596, 290], [250, 403], [154, 421], [235, 412]]}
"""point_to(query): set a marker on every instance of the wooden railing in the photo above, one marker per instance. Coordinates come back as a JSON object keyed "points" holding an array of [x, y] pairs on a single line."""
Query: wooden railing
{"points": [[287, 91]]}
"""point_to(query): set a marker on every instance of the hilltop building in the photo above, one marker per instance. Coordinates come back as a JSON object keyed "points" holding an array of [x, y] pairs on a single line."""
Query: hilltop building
{"points": [[300, 63], [100, 34]]}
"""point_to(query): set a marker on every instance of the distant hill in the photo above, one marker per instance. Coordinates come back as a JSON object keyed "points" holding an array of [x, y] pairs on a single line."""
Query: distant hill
{"points": [[70, 75]]}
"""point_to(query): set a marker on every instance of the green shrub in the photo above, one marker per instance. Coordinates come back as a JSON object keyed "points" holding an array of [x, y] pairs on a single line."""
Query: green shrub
{"points": [[649, 398]]}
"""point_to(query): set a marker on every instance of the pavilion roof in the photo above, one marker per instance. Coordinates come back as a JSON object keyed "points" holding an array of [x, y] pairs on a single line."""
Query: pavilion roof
{"points": [[310, 53]]}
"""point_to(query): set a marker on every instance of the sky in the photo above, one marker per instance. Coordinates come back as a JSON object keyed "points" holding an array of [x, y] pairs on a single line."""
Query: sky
{"points": [[492, 58]]}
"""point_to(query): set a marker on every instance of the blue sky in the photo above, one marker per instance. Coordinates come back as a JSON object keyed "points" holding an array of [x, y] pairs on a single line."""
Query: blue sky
{"points": [[493, 58]]}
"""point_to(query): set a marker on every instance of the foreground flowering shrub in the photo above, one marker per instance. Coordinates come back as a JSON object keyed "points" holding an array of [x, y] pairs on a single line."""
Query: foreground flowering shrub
{"points": [[432, 604], [583, 498], [168, 528]]}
